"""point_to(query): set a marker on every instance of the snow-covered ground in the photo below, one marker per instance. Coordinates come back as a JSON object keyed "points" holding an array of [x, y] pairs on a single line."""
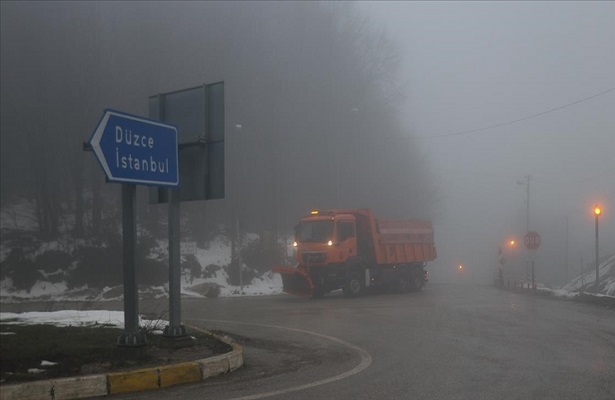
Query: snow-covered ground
{"points": [[67, 318], [584, 284], [20, 217], [587, 280], [218, 253]]}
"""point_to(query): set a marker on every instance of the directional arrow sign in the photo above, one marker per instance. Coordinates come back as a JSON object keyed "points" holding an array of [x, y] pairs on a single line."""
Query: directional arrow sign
{"points": [[136, 150]]}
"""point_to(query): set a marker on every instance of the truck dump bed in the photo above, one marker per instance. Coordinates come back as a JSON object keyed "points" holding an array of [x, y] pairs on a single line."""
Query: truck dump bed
{"points": [[404, 241]]}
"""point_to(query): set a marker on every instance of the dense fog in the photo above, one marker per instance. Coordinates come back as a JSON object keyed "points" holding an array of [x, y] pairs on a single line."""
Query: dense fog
{"points": [[309, 102], [435, 111], [497, 92]]}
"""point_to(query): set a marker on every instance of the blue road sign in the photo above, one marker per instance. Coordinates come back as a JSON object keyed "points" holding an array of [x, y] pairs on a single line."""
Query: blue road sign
{"points": [[136, 150]]}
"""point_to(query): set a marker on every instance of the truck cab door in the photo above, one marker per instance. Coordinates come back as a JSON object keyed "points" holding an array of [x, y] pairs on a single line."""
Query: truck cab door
{"points": [[346, 243]]}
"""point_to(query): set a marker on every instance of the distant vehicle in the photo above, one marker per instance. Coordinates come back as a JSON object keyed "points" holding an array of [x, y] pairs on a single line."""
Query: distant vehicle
{"points": [[350, 249]]}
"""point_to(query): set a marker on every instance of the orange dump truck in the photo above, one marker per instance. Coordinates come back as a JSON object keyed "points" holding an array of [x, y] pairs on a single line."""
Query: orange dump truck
{"points": [[350, 249]]}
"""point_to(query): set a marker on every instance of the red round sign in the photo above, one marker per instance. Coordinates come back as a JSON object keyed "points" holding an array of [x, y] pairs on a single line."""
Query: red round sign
{"points": [[532, 240]]}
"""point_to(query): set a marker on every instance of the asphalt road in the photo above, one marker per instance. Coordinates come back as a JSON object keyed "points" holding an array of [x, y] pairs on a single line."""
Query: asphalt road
{"points": [[448, 342]]}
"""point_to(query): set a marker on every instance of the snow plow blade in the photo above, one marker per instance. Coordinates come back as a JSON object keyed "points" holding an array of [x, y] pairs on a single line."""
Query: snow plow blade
{"points": [[295, 281]]}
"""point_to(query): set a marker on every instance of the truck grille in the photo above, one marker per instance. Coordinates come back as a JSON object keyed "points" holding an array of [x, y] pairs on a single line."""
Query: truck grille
{"points": [[314, 258]]}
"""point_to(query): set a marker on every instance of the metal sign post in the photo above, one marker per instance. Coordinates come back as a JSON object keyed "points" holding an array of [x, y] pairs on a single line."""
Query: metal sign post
{"points": [[198, 113], [532, 257], [175, 329], [132, 336]]}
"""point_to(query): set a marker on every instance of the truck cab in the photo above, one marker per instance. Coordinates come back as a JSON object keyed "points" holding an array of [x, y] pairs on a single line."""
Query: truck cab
{"points": [[325, 239]]}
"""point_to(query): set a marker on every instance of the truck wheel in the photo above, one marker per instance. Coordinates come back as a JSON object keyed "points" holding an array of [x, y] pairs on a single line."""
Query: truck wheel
{"points": [[354, 285], [403, 281], [416, 281]]}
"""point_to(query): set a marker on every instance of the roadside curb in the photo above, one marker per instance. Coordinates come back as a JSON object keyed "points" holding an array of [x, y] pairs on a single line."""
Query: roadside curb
{"points": [[128, 381]]}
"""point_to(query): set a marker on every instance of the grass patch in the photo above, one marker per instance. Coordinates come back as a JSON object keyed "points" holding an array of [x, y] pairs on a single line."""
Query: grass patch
{"points": [[86, 350]]}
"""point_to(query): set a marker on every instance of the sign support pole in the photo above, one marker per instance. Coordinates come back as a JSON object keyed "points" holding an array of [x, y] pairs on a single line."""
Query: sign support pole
{"points": [[131, 337], [533, 277], [175, 329], [597, 285]]}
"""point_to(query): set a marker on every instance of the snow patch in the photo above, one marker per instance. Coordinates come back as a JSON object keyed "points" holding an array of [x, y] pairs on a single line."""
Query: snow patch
{"points": [[585, 282], [35, 370], [39, 289], [46, 363], [73, 318], [218, 253]]}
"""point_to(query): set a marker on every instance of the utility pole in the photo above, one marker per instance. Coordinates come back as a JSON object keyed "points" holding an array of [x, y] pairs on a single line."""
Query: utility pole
{"points": [[527, 212], [527, 221]]}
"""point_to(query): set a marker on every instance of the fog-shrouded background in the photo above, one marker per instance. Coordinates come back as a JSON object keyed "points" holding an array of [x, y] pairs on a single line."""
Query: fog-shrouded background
{"points": [[436, 110], [474, 65]]}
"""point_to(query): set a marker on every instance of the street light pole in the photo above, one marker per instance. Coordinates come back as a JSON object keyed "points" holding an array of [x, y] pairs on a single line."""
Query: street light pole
{"points": [[597, 212], [513, 265]]}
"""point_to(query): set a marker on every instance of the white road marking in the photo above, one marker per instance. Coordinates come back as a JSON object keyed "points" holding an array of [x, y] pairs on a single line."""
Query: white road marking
{"points": [[366, 360]]}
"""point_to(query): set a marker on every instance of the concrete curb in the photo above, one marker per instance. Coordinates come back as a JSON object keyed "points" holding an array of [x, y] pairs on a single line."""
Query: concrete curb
{"points": [[129, 381]]}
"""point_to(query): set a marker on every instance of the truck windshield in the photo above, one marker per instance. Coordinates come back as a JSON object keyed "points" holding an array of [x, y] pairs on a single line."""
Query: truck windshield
{"points": [[315, 231]]}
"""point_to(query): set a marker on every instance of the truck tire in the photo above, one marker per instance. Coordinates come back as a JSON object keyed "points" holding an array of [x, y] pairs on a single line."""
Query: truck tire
{"points": [[354, 285], [403, 280], [416, 280]]}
